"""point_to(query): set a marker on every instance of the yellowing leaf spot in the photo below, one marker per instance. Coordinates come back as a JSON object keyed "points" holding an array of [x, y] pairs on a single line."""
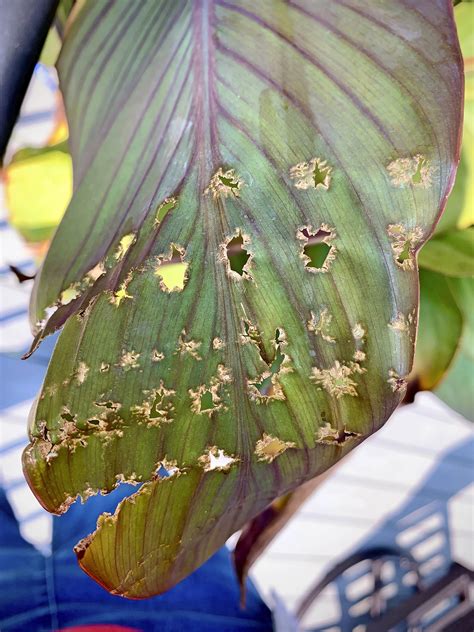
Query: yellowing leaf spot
{"points": [[315, 174], [216, 459], [268, 448], [224, 183]]}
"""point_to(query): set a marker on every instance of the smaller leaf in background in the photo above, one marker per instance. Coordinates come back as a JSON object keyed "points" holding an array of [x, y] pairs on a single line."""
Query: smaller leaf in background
{"points": [[450, 253], [457, 388], [440, 329], [38, 187]]}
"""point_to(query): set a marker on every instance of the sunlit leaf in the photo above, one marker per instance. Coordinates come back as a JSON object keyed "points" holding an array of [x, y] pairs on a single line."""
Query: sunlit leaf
{"points": [[38, 188], [240, 140]]}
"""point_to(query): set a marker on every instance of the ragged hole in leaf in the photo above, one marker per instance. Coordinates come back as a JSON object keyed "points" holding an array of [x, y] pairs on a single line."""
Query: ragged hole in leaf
{"points": [[267, 386], [317, 252], [224, 183], [124, 246], [206, 401], [268, 448], [330, 435], [165, 207], [237, 255], [313, 174], [172, 270], [216, 459], [415, 170], [405, 242], [157, 408], [166, 468]]}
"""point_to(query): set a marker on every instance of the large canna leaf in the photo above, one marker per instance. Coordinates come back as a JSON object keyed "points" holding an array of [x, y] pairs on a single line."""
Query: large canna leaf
{"points": [[237, 269]]}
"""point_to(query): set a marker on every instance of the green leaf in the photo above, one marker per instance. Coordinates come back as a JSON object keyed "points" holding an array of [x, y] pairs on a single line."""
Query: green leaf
{"points": [[439, 332], [237, 141], [457, 387], [450, 253]]}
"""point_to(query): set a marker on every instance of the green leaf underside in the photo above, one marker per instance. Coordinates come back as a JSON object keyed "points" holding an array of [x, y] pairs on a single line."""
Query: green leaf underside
{"points": [[163, 99]]}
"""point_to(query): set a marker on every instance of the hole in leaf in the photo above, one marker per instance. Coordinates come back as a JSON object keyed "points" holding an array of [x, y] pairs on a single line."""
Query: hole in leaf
{"points": [[417, 177], [230, 182], [172, 270], [206, 401], [67, 417], [316, 249], [320, 174], [165, 207], [237, 255], [216, 459]]}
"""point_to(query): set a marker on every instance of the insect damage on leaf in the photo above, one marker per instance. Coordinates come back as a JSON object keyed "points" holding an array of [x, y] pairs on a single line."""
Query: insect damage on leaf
{"points": [[157, 408], [404, 244], [124, 246], [337, 379], [188, 346], [166, 468], [172, 270], [266, 387], [81, 372], [121, 294], [164, 208], [224, 183], [410, 171], [218, 344], [317, 251], [330, 435], [129, 360], [235, 256], [268, 448], [206, 400], [320, 324], [358, 333], [216, 459], [398, 384], [315, 174], [157, 356], [403, 324]]}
